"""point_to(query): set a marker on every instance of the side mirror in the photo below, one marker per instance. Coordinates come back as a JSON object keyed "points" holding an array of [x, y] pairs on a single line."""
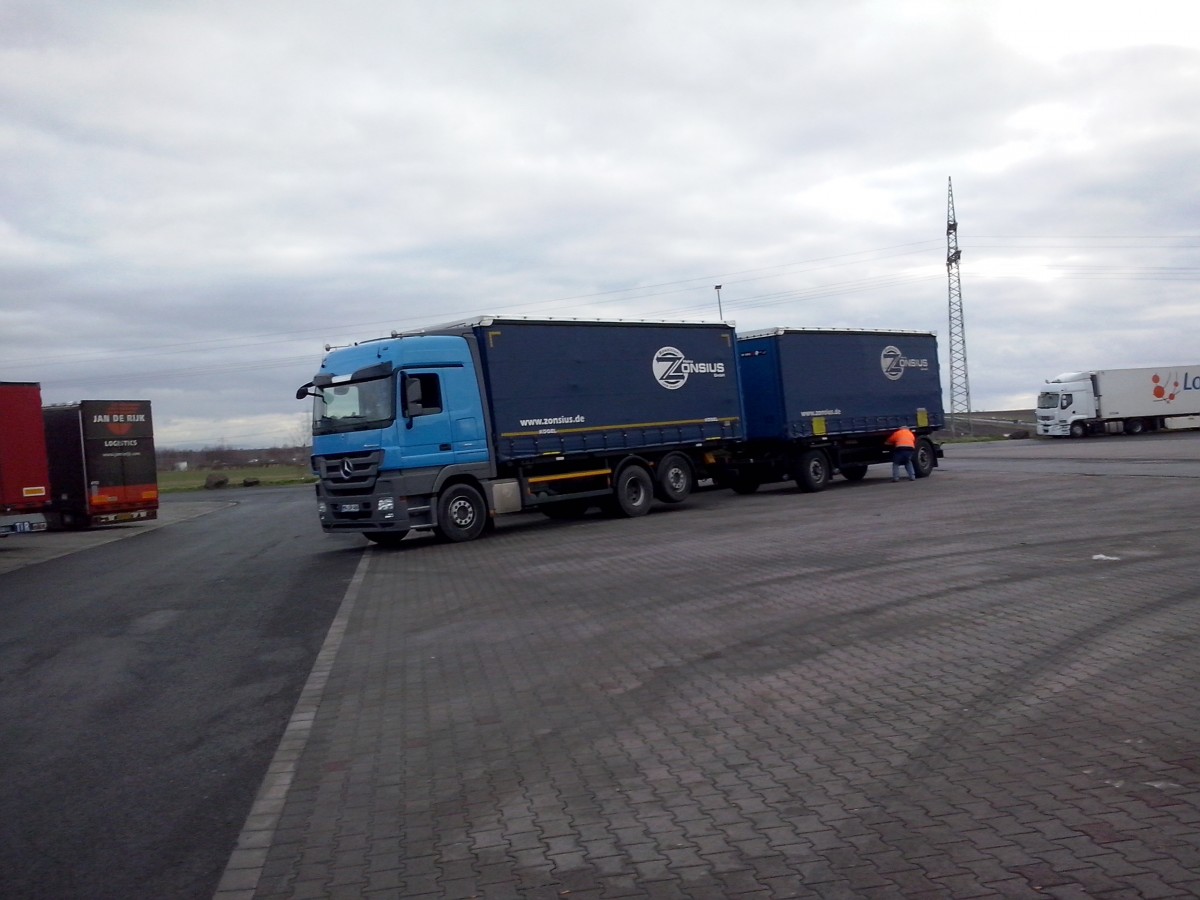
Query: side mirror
{"points": [[302, 392]]}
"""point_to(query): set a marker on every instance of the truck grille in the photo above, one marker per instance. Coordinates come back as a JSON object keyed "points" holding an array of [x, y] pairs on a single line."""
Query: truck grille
{"points": [[350, 472]]}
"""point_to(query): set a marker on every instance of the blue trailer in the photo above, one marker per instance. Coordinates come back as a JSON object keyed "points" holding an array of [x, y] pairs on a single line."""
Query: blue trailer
{"points": [[444, 428], [823, 401]]}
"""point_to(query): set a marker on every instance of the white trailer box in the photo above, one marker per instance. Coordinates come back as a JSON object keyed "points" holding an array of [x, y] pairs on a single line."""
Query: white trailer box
{"points": [[1118, 400]]}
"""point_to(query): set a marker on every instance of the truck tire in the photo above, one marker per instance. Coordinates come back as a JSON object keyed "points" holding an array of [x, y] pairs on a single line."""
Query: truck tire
{"points": [[633, 492], [387, 538], [1078, 430], [1134, 426], [462, 514], [924, 459], [675, 478], [856, 472], [814, 472]]}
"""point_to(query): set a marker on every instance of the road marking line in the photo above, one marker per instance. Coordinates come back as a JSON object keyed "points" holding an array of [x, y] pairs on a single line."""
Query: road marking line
{"points": [[245, 866]]}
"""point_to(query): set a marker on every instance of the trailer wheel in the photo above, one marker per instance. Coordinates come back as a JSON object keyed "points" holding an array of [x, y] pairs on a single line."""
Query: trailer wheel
{"points": [[814, 472], [462, 515], [856, 472], [1078, 430], [923, 459], [387, 538], [675, 478], [633, 492]]}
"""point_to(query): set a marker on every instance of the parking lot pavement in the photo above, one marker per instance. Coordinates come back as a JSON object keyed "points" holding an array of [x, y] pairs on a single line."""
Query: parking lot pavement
{"points": [[982, 684]]}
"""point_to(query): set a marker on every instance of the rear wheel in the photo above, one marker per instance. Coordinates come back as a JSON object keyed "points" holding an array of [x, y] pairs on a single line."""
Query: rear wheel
{"points": [[462, 515], [633, 492], [923, 459], [814, 472], [855, 472], [1134, 426], [675, 478]]}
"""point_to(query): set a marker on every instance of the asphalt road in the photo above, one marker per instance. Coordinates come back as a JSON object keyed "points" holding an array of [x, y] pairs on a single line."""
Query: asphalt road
{"points": [[146, 675]]}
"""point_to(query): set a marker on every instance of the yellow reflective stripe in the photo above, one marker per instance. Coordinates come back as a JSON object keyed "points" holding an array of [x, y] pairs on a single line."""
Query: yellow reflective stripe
{"points": [[543, 478]]}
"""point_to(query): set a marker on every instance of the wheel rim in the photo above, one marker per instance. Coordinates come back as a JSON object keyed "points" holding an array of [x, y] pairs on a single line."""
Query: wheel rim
{"points": [[676, 479], [462, 512], [635, 492]]}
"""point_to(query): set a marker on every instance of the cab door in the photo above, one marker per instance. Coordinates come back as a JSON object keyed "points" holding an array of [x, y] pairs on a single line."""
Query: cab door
{"points": [[442, 417], [425, 424]]}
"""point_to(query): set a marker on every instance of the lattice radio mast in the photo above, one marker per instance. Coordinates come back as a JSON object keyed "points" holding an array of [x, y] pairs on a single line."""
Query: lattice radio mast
{"points": [[960, 386]]}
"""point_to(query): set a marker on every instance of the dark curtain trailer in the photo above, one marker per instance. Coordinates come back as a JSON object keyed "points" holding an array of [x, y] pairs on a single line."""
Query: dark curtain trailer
{"points": [[823, 401], [588, 387], [102, 462]]}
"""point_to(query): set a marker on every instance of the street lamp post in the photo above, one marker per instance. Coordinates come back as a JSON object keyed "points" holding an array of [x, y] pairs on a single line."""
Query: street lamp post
{"points": [[720, 313]]}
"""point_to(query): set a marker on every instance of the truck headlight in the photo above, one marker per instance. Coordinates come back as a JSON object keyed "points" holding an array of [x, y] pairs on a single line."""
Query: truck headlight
{"points": [[321, 508], [386, 504]]}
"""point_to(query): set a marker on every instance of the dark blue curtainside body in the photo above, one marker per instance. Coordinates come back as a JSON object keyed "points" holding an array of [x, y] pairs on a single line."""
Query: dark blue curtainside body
{"points": [[805, 383], [582, 387]]}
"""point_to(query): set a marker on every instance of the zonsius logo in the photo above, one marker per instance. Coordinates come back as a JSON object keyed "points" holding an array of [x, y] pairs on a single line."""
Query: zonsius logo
{"points": [[672, 368], [893, 363]]}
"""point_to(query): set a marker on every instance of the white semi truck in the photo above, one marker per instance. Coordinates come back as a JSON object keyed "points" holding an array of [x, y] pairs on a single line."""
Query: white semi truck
{"points": [[1115, 401]]}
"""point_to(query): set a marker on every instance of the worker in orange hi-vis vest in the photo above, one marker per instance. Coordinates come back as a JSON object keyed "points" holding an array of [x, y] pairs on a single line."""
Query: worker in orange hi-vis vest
{"points": [[904, 444]]}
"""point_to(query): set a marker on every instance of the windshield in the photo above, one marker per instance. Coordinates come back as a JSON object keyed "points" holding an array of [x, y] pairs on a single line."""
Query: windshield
{"points": [[1048, 400], [358, 406]]}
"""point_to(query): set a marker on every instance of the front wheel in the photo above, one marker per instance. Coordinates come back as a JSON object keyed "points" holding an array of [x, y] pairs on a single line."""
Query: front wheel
{"points": [[633, 492], [462, 514], [814, 472], [1078, 430]]}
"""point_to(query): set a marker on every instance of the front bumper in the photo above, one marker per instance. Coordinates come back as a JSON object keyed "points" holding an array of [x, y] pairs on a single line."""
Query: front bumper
{"points": [[378, 507]]}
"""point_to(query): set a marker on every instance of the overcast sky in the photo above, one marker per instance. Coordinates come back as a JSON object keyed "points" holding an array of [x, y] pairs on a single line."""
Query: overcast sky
{"points": [[195, 197]]}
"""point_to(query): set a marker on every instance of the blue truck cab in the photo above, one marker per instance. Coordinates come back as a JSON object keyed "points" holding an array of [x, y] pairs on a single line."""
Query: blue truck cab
{"points": [[394, 420]]}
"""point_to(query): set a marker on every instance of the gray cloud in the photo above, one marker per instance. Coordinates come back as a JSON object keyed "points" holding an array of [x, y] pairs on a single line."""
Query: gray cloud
{"points": [[196, 197]]}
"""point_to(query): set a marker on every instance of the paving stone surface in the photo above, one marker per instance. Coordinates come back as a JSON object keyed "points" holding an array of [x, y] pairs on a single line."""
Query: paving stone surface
{"points": [[982, 684]]}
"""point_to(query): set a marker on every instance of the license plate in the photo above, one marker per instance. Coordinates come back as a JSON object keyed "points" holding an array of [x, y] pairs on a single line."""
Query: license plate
{"points": [[350, 507]]}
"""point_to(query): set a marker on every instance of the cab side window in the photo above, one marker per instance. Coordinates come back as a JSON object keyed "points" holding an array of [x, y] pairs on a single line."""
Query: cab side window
{"points": [[1067, 400], [424, 395]]}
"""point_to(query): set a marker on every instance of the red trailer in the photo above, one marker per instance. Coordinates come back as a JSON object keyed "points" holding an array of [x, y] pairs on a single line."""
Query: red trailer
{"points": [[24, 474]]}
